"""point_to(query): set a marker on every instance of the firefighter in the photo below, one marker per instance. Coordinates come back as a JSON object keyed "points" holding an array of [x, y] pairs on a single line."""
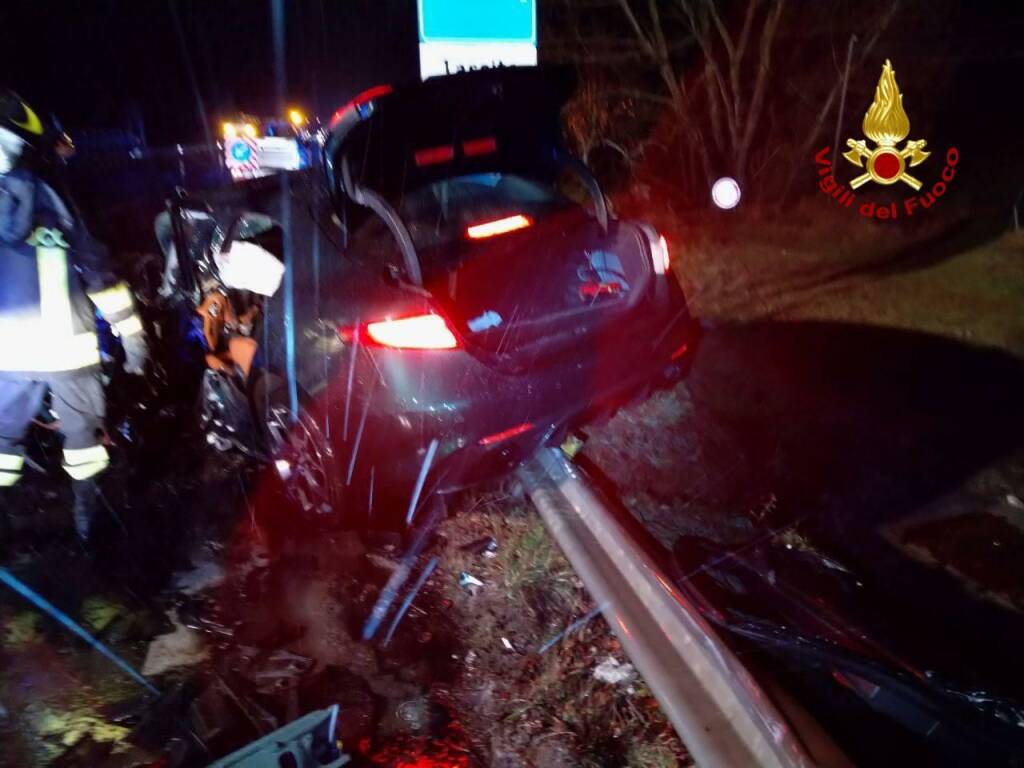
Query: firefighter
{"points": [[52, 275]]}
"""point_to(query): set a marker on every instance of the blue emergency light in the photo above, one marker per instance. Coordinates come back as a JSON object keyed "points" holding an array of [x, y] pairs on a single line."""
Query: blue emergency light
{"points": [[241, 151]]}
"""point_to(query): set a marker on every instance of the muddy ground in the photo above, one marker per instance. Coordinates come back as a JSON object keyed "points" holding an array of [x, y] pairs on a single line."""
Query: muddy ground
{"points": [[243, 629]]}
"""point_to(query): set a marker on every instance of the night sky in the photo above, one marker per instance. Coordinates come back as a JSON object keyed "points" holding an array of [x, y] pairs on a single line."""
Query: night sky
{"points": [[103, 63], [119, 63]]}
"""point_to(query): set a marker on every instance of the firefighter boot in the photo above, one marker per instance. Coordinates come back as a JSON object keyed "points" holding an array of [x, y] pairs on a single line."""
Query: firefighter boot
{"points": [[87, 499]]}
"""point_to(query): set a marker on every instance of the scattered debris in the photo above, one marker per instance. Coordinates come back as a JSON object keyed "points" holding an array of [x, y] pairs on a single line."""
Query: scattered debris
{"points": [[68, 728], [280, 671], [421, 538], [486, 546], [613, 672], [183, 647], [219, 711], [572, 446], [98, 613], [573, 627], [205, 574], [382, 562], [414, 713], [466, 579], [507, 643], [20, 630]]}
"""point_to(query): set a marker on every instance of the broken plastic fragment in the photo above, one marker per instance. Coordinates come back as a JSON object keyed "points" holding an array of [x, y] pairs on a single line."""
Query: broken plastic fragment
{"points": [[572, 446], [482, 546], [614, 673], [467, 579], [489, 319], [181, 648]]}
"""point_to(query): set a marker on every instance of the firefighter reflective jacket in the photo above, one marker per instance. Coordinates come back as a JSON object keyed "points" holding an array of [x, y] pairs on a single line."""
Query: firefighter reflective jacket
{"points": [[52, 274]]}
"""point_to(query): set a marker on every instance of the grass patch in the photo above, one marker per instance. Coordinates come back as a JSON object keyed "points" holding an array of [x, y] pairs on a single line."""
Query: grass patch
{"points": [[937, 274], [976, 296], [652, 755], [548, 709], [535, 565]]}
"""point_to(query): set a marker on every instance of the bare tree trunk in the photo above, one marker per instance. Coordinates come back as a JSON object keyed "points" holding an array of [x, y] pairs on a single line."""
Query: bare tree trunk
{"points": [[725, 92], [771, 25]]}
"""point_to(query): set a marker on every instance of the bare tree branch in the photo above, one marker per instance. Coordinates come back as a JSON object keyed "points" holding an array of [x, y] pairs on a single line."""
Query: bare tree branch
{"points": [[737, 60], [641, 36], [654, 98], [659, 33], [722, 31], [700, 34]]}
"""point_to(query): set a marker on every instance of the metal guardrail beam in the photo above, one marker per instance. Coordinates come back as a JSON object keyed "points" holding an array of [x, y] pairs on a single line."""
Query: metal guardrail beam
{"points": [[719, 711]]}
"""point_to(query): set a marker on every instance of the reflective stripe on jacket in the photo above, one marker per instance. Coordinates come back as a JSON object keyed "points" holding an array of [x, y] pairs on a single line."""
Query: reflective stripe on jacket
{"points": [[50, 279]]}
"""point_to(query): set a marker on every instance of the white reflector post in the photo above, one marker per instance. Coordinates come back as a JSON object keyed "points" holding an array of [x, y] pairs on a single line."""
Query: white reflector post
{"points": [[726, 192]]}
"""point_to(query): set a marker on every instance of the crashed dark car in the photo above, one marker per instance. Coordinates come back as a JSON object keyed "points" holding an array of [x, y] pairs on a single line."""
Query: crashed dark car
{"points": [[457, 294]]}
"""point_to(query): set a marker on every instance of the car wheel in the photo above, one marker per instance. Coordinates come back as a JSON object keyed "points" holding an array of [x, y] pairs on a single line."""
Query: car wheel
{"points": [[300, 456]]}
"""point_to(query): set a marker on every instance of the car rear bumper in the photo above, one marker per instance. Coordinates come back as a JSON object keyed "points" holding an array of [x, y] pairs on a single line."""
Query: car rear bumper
{"points": [[455, 420]]}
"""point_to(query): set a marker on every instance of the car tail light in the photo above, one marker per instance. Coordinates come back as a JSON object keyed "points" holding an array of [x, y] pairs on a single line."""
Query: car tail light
{"points": [[503, 226], [434, 156], [661, 255], [478, 147], [419, 332]]}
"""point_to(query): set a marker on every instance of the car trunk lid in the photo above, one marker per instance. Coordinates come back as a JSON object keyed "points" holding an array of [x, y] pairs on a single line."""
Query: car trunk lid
{"points": [[554, 284]]}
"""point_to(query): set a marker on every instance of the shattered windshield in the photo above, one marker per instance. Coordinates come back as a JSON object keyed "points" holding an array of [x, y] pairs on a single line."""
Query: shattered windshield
{"points": [[536, 383]]}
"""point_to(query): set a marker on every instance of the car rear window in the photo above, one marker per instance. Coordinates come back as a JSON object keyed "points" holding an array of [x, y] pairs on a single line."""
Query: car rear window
{"points": [[440, 212], [438, 215]]}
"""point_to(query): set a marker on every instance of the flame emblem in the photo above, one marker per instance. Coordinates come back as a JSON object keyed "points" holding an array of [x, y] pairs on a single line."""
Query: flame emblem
{"points": [[886, 124]]}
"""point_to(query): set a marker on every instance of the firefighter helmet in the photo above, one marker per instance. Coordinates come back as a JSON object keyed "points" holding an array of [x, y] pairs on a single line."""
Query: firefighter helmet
{"points": [[18, 117]]}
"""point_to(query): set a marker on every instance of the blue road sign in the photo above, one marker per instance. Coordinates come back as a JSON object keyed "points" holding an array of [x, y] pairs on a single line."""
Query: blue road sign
{"points": [[478, 21]]}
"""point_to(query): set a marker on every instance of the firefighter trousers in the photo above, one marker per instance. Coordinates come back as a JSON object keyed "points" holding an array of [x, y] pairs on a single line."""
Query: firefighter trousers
{"points": [[76, 397]]}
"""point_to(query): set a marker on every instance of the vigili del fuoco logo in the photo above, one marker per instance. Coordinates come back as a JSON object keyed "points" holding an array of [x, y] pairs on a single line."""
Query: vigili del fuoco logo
{"points": [[886, 125]]}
